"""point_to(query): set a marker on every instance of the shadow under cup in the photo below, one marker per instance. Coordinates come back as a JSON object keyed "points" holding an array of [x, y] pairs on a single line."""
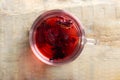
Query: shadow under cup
{"points": [[57, 37]]}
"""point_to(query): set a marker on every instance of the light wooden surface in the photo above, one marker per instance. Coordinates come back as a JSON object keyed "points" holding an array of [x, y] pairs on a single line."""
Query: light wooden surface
{"points": [[96, 62]]}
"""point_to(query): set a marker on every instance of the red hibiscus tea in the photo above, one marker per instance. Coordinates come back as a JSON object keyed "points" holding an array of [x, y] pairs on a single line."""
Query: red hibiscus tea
{"points": [[56, 37]]}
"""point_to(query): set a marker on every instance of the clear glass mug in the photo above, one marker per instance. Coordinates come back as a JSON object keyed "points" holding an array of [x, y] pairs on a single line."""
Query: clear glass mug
{"points": [[37, 37]]}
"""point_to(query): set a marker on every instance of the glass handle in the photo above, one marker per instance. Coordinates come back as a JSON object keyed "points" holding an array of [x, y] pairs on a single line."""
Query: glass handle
{"points": [[91, 41]]}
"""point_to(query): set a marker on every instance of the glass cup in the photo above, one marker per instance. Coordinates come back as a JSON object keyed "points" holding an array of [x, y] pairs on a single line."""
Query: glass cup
{"points": [[57, 37]]}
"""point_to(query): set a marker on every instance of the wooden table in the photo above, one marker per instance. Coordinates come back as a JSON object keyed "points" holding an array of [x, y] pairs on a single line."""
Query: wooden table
{"points": [[96, 62]]}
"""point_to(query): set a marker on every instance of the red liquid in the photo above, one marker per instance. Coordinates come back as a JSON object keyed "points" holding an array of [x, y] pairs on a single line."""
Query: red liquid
{"points": [[56, 37]]}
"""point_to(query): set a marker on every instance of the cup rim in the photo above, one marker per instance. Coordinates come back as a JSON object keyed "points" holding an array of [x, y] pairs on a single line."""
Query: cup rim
{"points": [[35, 51]]}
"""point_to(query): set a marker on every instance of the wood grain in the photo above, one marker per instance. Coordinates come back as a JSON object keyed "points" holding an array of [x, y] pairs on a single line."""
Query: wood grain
{"points": [[101, 20]]}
